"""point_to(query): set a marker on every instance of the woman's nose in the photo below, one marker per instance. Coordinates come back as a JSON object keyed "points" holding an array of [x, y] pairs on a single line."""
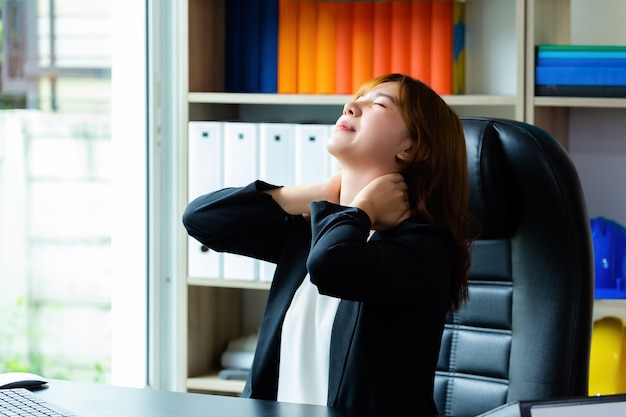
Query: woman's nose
{"points": [[351, 109]]}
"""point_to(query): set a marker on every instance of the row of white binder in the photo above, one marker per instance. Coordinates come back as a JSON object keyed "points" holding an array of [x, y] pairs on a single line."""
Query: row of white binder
{"points": [[233, 154]]}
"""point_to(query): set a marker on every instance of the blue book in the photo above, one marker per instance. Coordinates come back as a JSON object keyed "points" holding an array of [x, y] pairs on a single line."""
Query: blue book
{"points": [[614, 91], [268, 82], [251, 45], [576, 54], [233, 47], [613, 76], [583, 62], [609, 247]]}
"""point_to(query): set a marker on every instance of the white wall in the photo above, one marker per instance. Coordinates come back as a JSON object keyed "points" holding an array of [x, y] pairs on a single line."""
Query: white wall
{"points": [[598, 148], [597, 142]]}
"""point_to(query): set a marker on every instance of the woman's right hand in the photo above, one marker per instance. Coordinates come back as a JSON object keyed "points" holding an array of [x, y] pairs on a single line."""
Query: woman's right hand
{"points": [[296, 199]]}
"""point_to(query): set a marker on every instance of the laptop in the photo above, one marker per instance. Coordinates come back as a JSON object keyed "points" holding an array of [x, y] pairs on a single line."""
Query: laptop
{"points": [[599, 406], [21, 402]]}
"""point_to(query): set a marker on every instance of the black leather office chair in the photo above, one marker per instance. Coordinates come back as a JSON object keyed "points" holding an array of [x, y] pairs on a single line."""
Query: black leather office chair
{"points": [[526, 331]]}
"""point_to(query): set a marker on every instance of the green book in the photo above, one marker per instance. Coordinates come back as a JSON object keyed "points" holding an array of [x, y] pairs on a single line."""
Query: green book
{"points": [[569, 48]]}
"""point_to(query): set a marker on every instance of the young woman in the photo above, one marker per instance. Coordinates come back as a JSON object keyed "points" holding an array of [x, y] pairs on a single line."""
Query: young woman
{"points": [[368, 261]]}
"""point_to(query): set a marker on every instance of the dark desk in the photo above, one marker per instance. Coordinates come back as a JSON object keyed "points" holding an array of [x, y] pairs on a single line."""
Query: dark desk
{"points": [[95, 400]]}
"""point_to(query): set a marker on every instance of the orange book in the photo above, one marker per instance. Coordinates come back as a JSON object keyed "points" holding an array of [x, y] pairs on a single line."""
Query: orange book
{"points": [[362, 24], [401, 37], [420, 40], [325, 60], [343, 48], [307, 36], [441, 47], [287, 46], [381, 39]]}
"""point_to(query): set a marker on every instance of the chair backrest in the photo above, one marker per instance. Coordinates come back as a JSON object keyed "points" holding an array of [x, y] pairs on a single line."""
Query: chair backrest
{"points": [[526, 331]]}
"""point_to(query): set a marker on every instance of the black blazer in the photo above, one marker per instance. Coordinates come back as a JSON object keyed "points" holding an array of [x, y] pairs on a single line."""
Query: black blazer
{"points": [[394, 290]]}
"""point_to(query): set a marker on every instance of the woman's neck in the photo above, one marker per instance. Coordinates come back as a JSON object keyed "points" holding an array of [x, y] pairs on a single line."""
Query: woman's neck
{"points": [[352, 182]]}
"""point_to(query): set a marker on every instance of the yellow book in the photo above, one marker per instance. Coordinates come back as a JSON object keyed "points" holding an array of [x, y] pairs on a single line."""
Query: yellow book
{"points": [[307, 37]]}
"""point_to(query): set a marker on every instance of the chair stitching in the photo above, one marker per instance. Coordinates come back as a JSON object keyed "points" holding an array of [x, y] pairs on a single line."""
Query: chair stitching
{"points": [[452, 362]]}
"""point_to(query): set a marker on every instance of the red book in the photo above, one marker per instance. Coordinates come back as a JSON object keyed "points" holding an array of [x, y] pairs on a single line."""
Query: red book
{"points": [[381, 39], [441, 47], [420, 40], [362, 25], [343, 48], [401, 37]]}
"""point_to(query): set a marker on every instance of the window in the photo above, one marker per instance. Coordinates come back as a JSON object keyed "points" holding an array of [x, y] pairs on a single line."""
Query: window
{"points": [[73, 297]]}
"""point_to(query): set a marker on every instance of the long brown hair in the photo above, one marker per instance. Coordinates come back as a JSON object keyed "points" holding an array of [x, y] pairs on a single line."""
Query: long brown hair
{"points": [[436, 172]]}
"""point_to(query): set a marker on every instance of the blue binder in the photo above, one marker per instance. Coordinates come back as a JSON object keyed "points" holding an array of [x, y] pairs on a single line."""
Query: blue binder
{"points": [[609, 246]]}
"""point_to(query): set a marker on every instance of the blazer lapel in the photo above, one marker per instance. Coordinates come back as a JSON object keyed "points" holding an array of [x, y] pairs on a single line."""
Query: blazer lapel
{"points": [[342, 336]]}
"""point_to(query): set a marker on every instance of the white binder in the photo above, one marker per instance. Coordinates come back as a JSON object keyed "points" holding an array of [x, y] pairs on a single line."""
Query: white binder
{"points": [[240, 169], [276, 153], [276, 166], [240, 153], [204, 166], [312, 158]]}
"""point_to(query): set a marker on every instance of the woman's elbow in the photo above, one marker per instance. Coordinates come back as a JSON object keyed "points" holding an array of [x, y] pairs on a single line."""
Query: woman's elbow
{"points": [[191, 219], [324, 268]]}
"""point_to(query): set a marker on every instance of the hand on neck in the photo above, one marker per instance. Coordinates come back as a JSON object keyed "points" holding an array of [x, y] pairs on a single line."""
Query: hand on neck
{"points": [[353, 181]]}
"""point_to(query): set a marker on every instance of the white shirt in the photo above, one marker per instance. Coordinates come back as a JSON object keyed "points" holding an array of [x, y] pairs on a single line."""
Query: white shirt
{"points": [[305, 346]]}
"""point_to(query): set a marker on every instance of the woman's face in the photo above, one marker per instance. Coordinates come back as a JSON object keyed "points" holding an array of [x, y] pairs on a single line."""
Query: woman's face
{"points": [[371, 130]]}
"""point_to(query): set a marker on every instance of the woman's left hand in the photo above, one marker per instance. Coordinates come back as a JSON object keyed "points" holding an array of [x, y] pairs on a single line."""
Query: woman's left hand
{"points": [[385, 200]]}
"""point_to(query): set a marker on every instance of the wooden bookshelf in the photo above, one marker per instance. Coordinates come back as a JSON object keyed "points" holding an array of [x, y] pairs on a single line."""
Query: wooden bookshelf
{"points": [[501, 35], [212, 383], [610, 308]]}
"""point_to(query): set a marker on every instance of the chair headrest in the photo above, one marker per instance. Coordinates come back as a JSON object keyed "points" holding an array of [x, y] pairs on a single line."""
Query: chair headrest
{"points": [[490, 189]]}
